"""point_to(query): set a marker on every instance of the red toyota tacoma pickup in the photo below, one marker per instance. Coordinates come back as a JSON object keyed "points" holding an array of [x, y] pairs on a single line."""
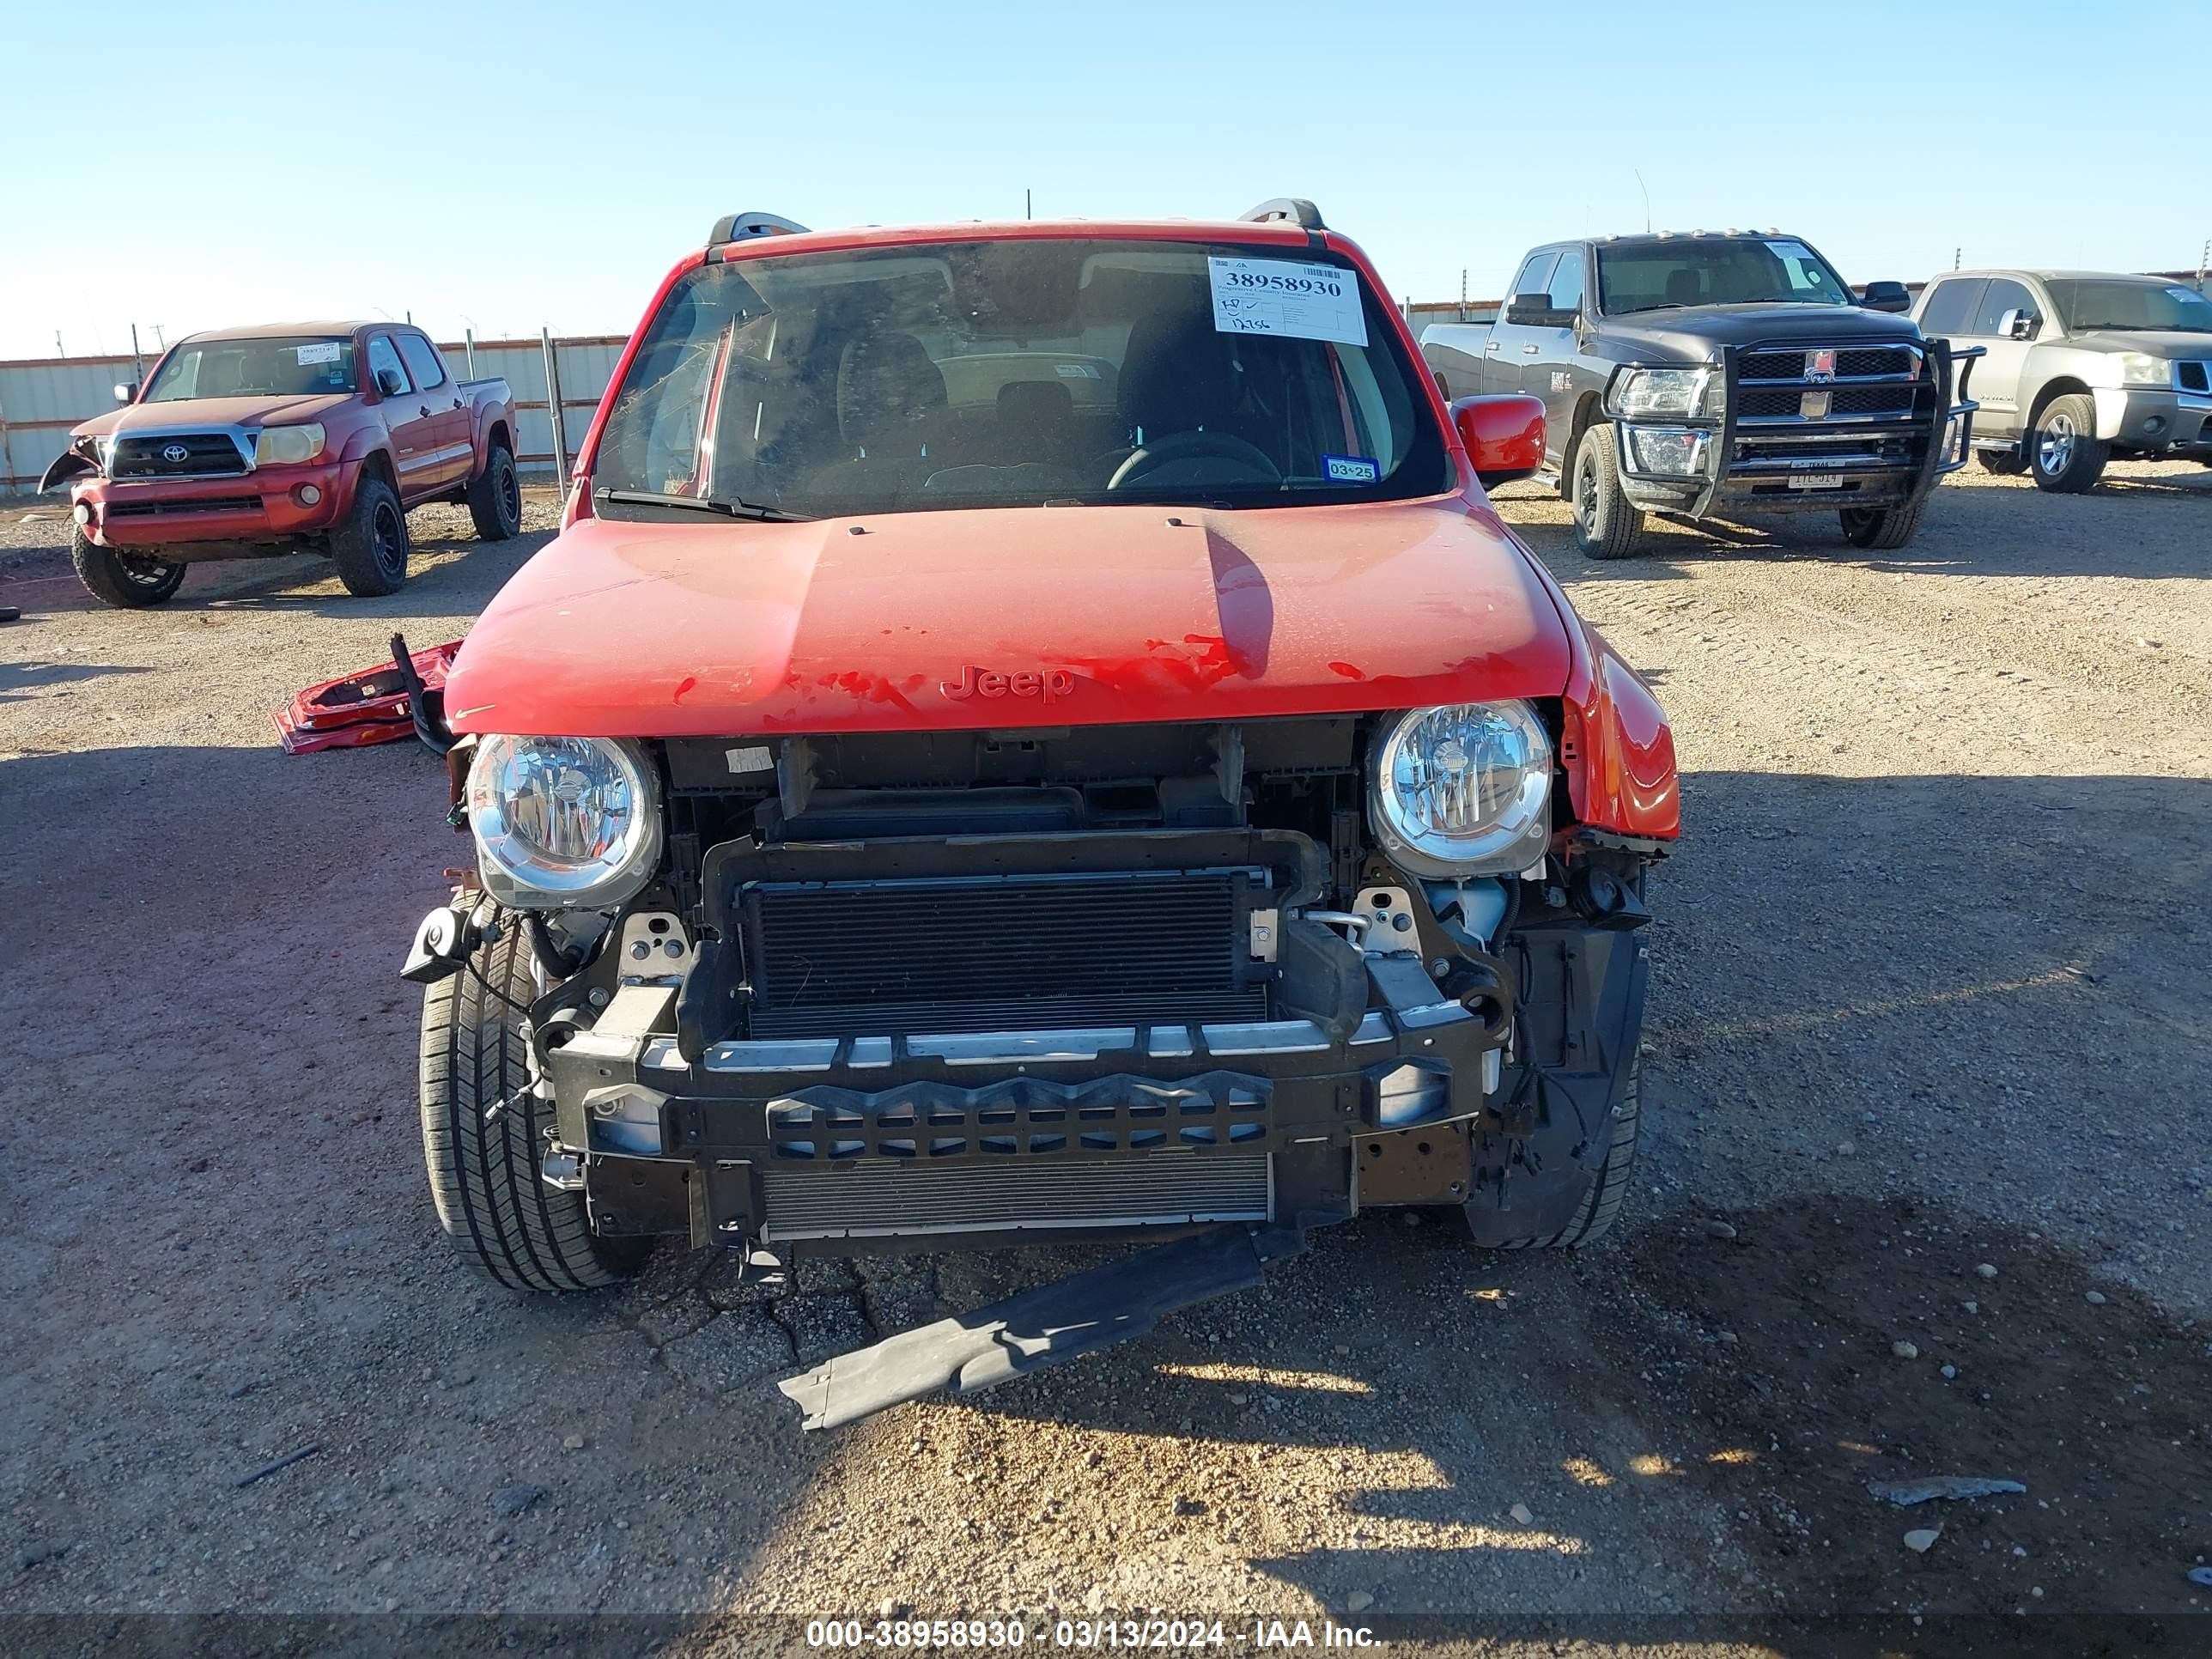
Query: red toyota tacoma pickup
{"points": [[1035, 731], [248, 442]]}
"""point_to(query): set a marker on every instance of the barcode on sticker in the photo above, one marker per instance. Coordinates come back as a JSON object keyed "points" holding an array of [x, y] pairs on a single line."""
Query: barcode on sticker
{"points": [[753, 757]]}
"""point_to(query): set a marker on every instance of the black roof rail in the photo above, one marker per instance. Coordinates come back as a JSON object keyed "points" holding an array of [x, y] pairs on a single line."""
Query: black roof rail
{"points": [[1295, 209], [736, 227]]}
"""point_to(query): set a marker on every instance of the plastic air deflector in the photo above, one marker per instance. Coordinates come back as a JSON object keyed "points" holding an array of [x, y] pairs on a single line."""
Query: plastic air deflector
{"points": [[1039, 1328]]}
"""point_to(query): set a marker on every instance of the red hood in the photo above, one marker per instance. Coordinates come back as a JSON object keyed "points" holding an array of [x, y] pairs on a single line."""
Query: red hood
{"points": [[1092, 615], [182, 412]]}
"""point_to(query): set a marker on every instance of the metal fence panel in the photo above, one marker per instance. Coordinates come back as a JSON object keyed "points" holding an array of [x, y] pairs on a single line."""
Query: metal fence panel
{"points": [[40, 400]]}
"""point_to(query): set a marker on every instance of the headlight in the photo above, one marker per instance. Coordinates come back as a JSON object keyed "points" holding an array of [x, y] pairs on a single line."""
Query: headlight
{"points": [[2139, 368], [563, 823], [1640, 393], [1461, 790], [287, 446], [1678, 451]]}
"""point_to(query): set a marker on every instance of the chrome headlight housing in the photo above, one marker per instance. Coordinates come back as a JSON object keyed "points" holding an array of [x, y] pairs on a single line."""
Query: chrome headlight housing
{"points": [[287, 446], [1463, 790], [563, 823], [1643, 394]]}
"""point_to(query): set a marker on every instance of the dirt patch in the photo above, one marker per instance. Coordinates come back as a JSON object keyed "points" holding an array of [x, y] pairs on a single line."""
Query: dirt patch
{"points": [[1805, 1349]]}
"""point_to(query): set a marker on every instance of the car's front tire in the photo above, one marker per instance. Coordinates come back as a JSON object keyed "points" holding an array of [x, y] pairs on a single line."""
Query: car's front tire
{"points": [[1883, 528], [370, 547], [2064, 451], [1602, 1202], [1607, 524], [495, 498], [129, 581], [484, 1135]]}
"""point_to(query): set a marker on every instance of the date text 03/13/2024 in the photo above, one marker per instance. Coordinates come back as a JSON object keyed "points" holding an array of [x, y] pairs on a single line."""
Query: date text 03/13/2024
{"points": [[1166, 1635]]}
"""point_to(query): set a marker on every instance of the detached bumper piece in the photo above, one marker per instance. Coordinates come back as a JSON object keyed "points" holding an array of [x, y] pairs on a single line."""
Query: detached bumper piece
{"points": [[1039, 1328], [369, 706]]}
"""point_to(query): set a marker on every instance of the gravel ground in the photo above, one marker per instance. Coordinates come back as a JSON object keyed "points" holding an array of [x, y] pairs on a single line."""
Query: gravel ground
{"points": [[1930, 1000]]}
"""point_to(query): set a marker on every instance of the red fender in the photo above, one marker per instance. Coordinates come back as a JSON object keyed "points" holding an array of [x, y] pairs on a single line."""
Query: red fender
{"points": [[1619, 750]]}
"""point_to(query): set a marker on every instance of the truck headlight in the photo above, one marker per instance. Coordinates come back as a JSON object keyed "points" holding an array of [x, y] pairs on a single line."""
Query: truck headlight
{"points": [[1642, 393], [2140, 369], [563, 823], [1463, 790], [1679, 452], [287, 446]]}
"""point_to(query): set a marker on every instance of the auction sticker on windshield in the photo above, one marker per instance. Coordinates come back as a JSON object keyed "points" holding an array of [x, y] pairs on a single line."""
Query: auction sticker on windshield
{"points": [[325, 351], [1281, 296]]}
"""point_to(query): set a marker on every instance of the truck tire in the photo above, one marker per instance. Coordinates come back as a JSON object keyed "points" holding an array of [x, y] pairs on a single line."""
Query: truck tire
{"points": [[2064, 451], [1884, 529], [2005, 463], [129, 581], [485, 1131], [1601, 1205], [495, 497], [370, 548], [1607, 524]]}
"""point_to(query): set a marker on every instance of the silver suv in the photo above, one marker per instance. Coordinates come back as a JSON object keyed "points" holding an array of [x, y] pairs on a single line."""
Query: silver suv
{"points": [[2081, 366]]}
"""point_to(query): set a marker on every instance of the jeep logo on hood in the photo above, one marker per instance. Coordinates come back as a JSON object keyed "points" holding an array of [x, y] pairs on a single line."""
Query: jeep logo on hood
{"points": [[1050, 684]]}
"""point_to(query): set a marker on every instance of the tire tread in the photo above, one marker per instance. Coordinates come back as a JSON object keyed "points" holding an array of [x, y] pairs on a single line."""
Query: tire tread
{"points": [[485, 1179]]}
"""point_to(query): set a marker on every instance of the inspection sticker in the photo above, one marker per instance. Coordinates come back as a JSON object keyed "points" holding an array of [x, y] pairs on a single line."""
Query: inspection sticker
{"points": [[1350, 468], [1284, 296], [326, 351]]}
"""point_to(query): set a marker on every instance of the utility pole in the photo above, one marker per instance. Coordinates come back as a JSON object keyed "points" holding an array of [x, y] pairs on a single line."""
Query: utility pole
{"points": [[1955, 252], [1646, 188], [553, 409], [2203, 258], [1028, 206], [58, 352], [138, 362]]}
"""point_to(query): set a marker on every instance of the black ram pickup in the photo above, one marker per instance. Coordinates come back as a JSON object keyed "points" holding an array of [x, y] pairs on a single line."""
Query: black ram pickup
{"points": [[1704, 375]]}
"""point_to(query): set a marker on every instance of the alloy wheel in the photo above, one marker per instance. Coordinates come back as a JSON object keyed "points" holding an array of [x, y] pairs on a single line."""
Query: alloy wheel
{"points": [[2054, 444], [388, 536]]}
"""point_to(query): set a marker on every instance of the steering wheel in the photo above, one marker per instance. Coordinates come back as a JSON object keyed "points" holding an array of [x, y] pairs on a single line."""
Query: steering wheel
{"points": [[1187, 452]]}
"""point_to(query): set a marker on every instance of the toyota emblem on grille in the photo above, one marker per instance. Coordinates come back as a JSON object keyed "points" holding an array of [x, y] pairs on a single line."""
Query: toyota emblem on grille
{"points": [[1820, 364], [175, 454]]}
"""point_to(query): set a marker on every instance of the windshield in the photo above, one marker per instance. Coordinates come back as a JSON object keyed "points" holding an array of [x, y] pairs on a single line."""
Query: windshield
{"points": [[2115, 304], [1020, 373], [290, 367], [1715, 270]]}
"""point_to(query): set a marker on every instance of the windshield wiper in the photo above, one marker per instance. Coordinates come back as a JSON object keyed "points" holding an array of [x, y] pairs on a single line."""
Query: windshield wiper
{"points": [[726, 507]]}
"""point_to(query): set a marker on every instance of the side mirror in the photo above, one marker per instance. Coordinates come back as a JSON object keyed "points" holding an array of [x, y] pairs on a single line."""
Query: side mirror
{"points": [[1504, 435], [1886, 296], [126, 391], [1532, 311], [388, 382], [2018, 325]]}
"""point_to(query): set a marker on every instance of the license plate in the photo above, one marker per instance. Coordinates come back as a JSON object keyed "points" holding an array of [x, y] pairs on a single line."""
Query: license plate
{"points": [[1815, 480]]}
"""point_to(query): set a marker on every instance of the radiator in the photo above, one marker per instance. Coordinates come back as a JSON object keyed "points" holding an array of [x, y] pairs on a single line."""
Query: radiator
{"points": [[984, 954]]}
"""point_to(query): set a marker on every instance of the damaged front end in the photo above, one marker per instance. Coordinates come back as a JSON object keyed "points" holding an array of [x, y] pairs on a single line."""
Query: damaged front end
{"points": [[1206, 986]]}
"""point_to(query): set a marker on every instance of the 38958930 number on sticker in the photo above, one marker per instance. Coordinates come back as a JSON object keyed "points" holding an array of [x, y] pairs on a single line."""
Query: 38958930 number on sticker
{"points": [[1288, 297]]}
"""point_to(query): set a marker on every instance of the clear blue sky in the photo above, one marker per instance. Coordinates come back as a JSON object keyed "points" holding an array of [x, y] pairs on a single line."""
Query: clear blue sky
{"points": [[195, 164]]}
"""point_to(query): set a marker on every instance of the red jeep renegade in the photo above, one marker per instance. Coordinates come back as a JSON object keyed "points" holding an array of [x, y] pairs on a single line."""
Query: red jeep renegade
{"points": [[1035, 731]]}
